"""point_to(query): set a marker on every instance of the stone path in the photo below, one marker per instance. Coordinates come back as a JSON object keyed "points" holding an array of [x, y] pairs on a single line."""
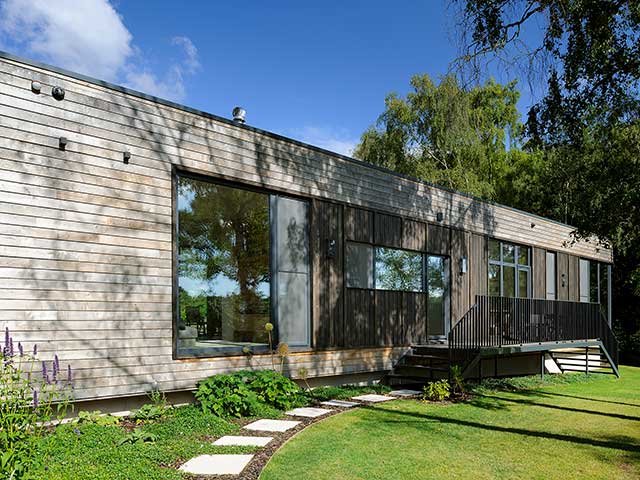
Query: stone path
{"points": [[216, 464], [372, 398], [243, 441], [235, 464], [308, 412], [268, 425]]}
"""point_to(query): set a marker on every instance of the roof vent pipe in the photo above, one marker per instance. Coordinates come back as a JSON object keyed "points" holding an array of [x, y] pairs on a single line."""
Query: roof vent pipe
{"points": [[239, 114]]}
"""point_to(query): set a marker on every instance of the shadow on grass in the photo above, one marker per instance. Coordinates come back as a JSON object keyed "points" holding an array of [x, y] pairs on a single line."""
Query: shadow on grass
{"points": [[477, 402], [615, 442], [551, 394]]}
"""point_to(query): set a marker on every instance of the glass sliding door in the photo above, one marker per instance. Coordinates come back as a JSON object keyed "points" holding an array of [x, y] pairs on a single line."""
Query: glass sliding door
{"points": [[437, 287], [291, 265]]}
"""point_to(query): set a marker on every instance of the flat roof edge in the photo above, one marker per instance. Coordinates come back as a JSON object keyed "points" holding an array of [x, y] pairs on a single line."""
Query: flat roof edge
{"points": [[169, 103]]}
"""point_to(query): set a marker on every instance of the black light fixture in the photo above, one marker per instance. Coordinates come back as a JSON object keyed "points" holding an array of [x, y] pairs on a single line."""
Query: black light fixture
{"points": [[126, 156], [439, 216], [57, 93], [62, 143], [533, 224], [331, 248]]}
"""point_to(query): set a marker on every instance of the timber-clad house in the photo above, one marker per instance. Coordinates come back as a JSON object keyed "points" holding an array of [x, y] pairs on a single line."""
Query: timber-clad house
{"points": [[148, 244]]}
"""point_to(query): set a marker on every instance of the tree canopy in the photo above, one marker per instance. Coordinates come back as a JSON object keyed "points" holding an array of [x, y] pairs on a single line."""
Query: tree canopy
{"points": [[443, 133]]}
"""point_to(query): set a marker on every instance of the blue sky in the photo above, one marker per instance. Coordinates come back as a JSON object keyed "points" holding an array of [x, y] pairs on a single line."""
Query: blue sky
{"points": [[314, 71]]}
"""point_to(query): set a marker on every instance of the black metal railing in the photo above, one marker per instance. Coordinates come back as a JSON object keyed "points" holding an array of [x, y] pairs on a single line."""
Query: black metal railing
{"points": [[503, 321]]}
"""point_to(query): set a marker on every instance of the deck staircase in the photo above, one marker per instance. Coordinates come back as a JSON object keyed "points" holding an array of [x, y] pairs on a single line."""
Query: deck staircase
{"points": [[574, 336], [588, 360]]}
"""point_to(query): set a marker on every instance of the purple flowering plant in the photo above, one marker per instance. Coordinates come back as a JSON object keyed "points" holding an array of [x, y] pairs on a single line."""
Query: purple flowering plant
{"points": [[32, 394]]}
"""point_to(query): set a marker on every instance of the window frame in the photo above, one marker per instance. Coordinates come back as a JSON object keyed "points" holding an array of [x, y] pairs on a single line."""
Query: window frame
{"points": [[215, 352], [518, 267]]}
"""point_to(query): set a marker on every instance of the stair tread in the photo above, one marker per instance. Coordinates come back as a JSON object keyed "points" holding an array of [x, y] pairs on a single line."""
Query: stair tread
{"points": [[424, 367]]}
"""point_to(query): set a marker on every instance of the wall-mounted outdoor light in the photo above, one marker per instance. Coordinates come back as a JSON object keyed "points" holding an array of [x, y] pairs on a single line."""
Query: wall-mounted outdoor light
{"points": [[564, 283], [439, 216], [62, 143], [36, 87], [126, 156], [463, 265], [533, 224], [331, 248], [57, 93]]}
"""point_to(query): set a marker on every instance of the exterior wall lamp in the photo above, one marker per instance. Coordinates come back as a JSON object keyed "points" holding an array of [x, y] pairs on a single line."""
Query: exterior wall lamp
{"points": [[439, 216], [463, 265]]}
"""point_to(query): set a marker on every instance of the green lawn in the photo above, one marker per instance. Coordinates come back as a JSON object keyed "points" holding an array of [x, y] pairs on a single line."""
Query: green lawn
{"points": [[585, 430]]}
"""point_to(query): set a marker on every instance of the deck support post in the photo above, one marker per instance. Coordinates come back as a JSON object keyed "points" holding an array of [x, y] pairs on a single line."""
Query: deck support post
{"points": [[542, 365], [586, 361]]}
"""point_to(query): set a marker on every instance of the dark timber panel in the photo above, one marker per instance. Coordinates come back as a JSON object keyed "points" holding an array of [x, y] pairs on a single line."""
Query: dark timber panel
{"points": [[562, 267], [328, 274], [359, 318], [388, 317], [414, 235], [539, 273], [477, 267], [358, 225], [415, 316], [459, 282], [438, 239], [388, 230], [574, 278]]}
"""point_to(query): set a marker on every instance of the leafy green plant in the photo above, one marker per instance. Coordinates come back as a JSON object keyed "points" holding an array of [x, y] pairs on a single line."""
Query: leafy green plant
{"points": [[437, 391], [226, 396], [152, 411], [272, 387], [148, 412], [29, 400], [457, 381], [97, 417], [138, 435]]}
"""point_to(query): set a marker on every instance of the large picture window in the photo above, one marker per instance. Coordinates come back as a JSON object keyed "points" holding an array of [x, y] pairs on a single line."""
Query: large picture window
{"points": [[509, 269], [398, 270], [242, 262], [595, 284]]}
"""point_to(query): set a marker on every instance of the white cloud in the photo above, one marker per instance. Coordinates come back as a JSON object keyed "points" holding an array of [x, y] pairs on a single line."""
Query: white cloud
{"points": [[339, 141], [191, 61], [89, 36], [86, 36]]}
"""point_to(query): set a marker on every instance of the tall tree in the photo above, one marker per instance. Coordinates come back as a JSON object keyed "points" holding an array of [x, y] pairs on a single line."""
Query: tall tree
{"points": [[586, 126], [446, 134]]}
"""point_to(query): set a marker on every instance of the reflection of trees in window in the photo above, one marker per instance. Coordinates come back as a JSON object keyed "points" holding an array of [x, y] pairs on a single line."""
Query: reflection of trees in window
{"points": [[398, 270], [223, 243]]}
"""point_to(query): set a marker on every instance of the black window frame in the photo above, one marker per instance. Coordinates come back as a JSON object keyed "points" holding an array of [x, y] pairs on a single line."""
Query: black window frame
{"points": [[215, 352]]}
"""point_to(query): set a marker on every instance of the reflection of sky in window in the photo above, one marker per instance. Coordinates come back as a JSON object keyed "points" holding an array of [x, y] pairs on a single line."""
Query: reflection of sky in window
{"points": [[220, 286], [185, 197]]}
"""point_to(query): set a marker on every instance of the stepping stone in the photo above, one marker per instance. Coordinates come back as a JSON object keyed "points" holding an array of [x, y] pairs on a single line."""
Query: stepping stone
{"points": [[405, 393], [308, 412], [339, 403], [271, 425], [243, 441], [216, 464], [372, 398]]}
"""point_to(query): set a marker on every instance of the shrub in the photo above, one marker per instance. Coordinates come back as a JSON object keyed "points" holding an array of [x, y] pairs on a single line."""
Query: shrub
{"points": [[457, 380], [138, 435], [437, 391], [96, 417], [226, 395], [29, 400], [272, 388], [151, 411]]}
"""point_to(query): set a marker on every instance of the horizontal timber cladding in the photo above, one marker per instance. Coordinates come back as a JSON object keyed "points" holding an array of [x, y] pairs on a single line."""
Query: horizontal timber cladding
{"points": [[101, 122], [86, 254]]}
